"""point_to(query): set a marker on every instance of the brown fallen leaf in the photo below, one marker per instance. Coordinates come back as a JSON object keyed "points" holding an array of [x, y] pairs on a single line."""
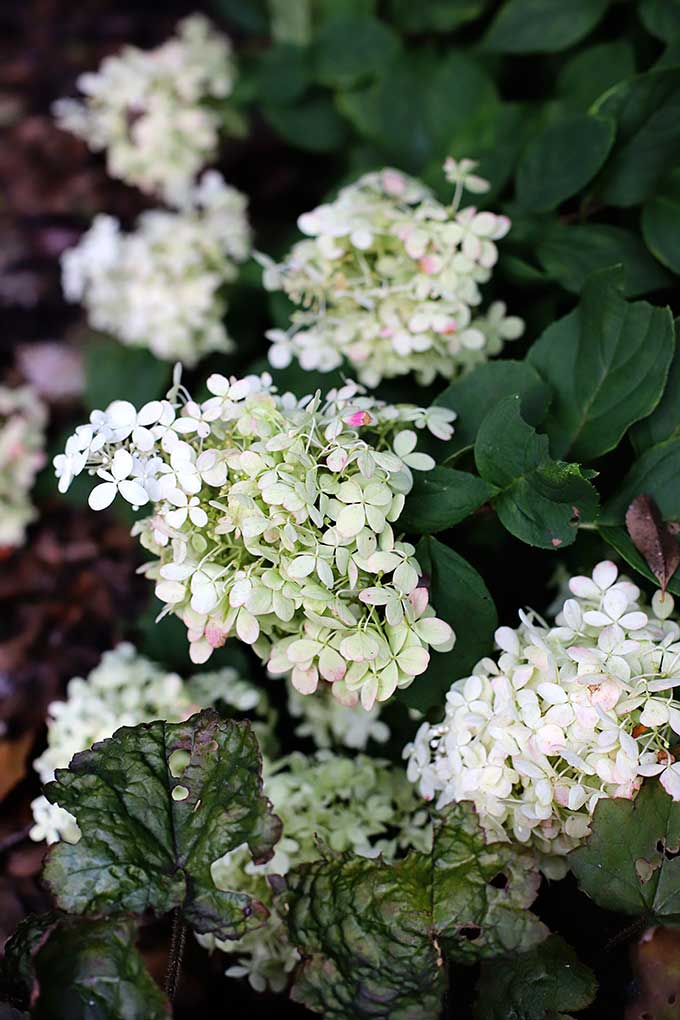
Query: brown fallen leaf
{"points": [[13, 755], [652, 537]]}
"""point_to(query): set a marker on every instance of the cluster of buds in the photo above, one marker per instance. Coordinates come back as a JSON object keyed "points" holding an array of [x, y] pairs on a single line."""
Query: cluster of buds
{"points": [[23, 418]]}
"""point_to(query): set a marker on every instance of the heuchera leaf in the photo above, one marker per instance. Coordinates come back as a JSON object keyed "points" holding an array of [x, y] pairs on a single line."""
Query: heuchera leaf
{"points": [[540, 498], [534, 985], [76, 968], [653, 538], [142, 847], [629, 863], [607, 363], [460, 597], [375, 937]]}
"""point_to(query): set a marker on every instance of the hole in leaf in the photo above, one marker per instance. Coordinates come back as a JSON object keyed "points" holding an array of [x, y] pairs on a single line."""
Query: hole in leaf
{"points": [[499, 881], [669, 853], [672, 999], [178, 761], [470, 932], [180, 793]]}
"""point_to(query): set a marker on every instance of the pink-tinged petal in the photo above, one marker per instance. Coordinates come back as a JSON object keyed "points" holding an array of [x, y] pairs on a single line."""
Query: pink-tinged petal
{"points": [[332, 666], [634, 621], [200, 651], [247, 627], [369, 692], [414, 660], [102, 495], [305, 681], [605, 574], [359, 418], [215, 635], [584, 588], [419, 599], [670, 780]]}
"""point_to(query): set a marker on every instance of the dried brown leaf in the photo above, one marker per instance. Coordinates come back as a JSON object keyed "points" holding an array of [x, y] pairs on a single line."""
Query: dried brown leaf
{"points": [[653, 538]]}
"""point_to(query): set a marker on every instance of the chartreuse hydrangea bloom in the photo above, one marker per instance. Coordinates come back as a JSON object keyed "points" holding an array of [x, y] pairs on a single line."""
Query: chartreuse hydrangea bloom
{"points": [[388, 279], [331, 724], [162, 286], [275, 519], [567, 715], [23, 418], [360, 804], [155, 112], [126, 689]]}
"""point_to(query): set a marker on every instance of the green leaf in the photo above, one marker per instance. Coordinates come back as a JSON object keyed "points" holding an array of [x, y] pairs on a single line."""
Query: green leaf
{"points": [[542, 26], [629, 863], [441, 498], [435, 15], [664, 421], [562, 159], [619, 539], [374, 937], [535, 985], [539, 496], [570, 253], [660, 17], [607, 363], [111, 369], [348, 50], [647, 111], [459, 596], [661, 224], [291, 22], [655, 473], [458, 92], [474, 394], [148, 838], [82, 969], [282, 75], [594, 70], [313, 124]]}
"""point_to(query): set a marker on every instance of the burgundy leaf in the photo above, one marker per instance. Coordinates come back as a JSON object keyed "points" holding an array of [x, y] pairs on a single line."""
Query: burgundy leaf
{"points": [[652, 537]]}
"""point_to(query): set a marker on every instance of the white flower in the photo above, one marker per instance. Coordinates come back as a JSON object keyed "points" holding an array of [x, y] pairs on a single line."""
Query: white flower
{"points": [[389, 279], [567, 715], [162, 286], [273, 519], [149, 109], [23, 418]]}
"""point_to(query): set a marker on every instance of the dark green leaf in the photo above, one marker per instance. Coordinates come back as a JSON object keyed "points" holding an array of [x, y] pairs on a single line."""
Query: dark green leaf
{"points": [[562, 159], [661, 224], [607, 363], [619, 539], [473, 395], [348, 50], [655, 473], [460, 597], [314, 124], [374, 936], [629, 863], [251, 17], [441, 498], [664, 421], [535, 985], [458, 92], [144, 847], [435, 15], [542, 26], [661, 17], [590, 73], [540, 497], [83, 969], [647, 111], [283, 74], [570, 253], [112, 369]]}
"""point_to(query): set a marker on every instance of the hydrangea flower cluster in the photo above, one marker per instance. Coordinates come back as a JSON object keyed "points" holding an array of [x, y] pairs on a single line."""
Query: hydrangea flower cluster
{"points": [[331, 724], [388, 278], [151, 110], [124, 689], [273, 520], [162, 286], [567, 715], [361, 804], [23, 418]]}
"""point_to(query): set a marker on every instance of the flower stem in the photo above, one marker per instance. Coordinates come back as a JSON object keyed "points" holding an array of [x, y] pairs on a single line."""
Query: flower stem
{"points": [[177, 941]]}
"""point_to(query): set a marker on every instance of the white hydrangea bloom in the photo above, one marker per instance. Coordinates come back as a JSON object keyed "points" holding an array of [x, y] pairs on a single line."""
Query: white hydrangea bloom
{"points": [[124, 689], [567, 715], [272, 519], [389, 278], [162, 285], [330, 724], [151, 110], [23, 418], [360, 804]]}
